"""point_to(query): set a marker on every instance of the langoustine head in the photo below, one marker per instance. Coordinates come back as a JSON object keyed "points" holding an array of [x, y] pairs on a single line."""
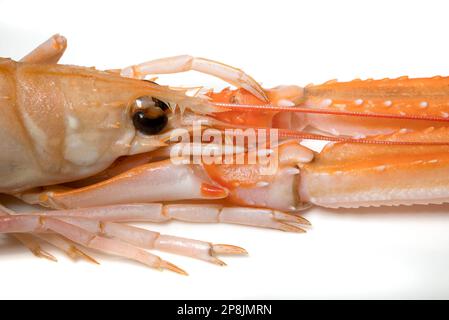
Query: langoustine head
{"points": [[77, 121]]}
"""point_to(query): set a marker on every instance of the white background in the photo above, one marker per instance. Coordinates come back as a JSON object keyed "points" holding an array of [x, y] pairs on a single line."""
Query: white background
{"points": [[364, 253]]}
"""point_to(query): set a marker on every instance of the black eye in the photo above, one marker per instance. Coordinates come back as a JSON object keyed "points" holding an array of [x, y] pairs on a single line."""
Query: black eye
{"points": [[149, 117]]}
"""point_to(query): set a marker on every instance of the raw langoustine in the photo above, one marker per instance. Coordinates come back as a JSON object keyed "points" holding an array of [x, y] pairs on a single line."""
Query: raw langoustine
{"points": [[100, 148]]}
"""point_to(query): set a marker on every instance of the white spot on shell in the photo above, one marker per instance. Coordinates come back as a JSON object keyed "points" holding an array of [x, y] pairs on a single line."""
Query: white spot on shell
{"points": [[433, 161], [262, 184], [445, 114], [73, 122], [402, 113], [423, 104], [404, 130], [291, 171], [388, 103], [327, 102], [335, 132], [381, 168], [285, 103], [79, 151], [358, 102]]}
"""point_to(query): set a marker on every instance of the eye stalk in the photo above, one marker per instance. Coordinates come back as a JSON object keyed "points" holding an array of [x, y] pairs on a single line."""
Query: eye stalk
{"points": [[149, 115]]}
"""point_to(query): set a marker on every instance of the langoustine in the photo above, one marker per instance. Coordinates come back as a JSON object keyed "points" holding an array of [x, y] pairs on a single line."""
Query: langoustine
{"points": [[96, 148]]}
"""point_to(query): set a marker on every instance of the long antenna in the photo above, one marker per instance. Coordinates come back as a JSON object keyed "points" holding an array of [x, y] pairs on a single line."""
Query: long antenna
{"points": [[270, 107]]}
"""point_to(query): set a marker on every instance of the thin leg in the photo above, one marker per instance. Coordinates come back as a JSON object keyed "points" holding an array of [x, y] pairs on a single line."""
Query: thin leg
{"points": [[34, 246], [49, 51], [200, 213], [256, 217], [95, 220], [68, 247], [39, 224], [28, 240], [183, 63], [154, 240]]}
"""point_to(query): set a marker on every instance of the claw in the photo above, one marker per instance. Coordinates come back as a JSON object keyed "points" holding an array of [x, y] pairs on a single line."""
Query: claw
{"points": [[41, 253], [35, 248], [291, 218], [227, 249], [170, 266], [223, 249], [290, 228], [217, 261], [66, 246], [78, 253]]}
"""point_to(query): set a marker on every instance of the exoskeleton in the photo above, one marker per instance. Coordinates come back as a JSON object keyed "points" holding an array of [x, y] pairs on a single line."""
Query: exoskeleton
{"points": [[100, 148]]}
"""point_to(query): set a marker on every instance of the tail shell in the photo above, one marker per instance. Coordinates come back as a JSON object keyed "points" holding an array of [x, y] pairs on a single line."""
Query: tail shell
{"points": [[427, 97], [355, 175]]}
